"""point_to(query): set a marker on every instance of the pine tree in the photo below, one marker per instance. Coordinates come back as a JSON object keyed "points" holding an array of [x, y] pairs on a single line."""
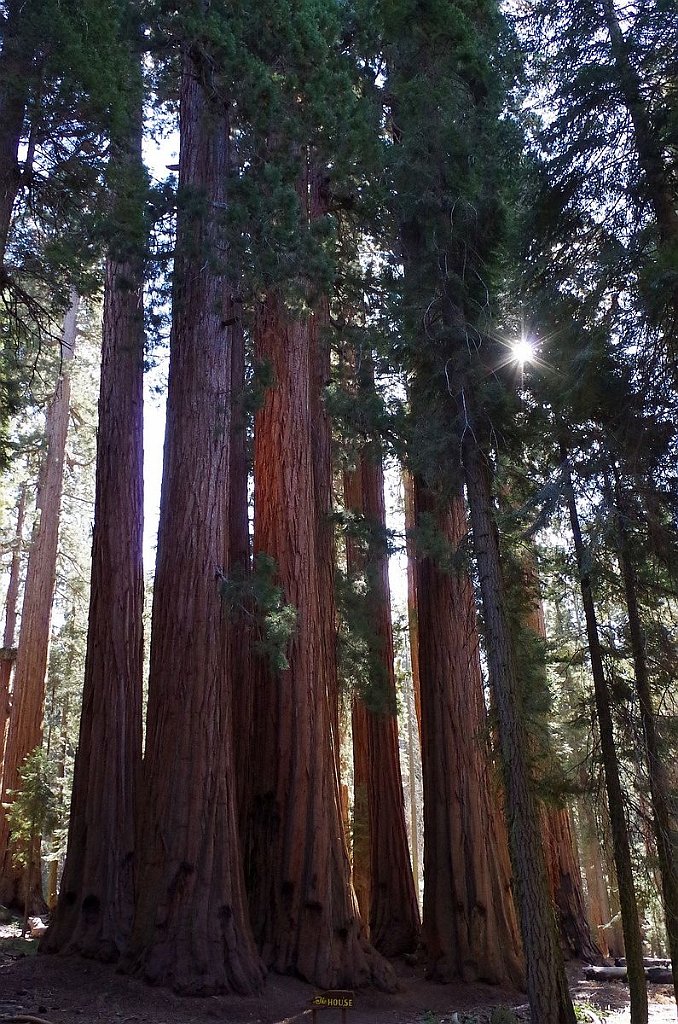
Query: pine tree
{"points": [[450, 227]]}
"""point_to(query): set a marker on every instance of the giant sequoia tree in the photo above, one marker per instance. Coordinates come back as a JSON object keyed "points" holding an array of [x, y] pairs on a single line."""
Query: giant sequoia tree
{"points": [[470, 928], [381, 860], [96, 902], [190, 927]]}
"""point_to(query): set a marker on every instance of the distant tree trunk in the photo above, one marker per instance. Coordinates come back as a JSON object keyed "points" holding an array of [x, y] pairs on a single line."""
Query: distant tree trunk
{"points": [[561, 856], [53, 868], [238, 558], [302, 905], [394, 913], [566, 885], [191, 930], [546, 983], [96, 903], [413, 626], [615, 798], [361, 809], [598, 904], [11, 603], [469, 925], [664, 816], [24, 733]]}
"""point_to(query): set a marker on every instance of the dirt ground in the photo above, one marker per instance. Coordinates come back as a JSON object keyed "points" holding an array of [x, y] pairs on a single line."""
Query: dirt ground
{"points": [[66, 990]]}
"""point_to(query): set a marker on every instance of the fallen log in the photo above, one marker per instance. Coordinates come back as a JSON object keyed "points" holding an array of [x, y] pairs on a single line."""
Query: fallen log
{"points": [[605, 973], [656, 975], [648, 961]]}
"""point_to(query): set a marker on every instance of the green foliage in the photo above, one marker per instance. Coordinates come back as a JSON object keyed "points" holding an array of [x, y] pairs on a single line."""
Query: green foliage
{"points": [[32, 812], [361, 660], [503, 1015], [255, 599]]}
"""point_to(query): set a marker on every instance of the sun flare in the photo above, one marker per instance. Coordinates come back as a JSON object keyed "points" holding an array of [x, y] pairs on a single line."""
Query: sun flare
{"points": [[523, 351]]}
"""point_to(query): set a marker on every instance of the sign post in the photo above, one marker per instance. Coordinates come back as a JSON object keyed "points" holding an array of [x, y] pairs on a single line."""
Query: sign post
{"points": [[336, 999]]}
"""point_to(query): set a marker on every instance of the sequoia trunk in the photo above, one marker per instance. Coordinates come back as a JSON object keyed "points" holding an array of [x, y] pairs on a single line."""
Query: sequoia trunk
{"points": [[566, 885], [24, 732], [394, 914], [190, 929], [469, 925], [96, 901], [303, 909]]}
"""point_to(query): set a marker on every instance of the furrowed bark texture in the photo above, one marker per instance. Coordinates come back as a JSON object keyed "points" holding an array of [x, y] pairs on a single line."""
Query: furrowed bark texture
{"points": [[615, 797], [96, 901], [393, 914], [191, 930], [546, 983], [24, 731], [303, 909], [470, 929], [11, 603]]}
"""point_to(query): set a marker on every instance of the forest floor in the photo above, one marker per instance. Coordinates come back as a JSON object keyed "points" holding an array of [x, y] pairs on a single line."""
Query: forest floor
{"points": [[66, 990]]}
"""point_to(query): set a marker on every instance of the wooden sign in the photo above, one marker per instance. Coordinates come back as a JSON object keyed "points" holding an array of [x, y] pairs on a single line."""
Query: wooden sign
{"points": [[333, 999]]}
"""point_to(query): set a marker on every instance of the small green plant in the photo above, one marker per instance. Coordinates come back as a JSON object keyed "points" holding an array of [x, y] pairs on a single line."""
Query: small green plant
{"points": [[503, 1015]]}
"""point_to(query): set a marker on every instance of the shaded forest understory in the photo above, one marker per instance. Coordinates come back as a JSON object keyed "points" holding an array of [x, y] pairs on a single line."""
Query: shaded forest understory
{"points": [[68, 991]]}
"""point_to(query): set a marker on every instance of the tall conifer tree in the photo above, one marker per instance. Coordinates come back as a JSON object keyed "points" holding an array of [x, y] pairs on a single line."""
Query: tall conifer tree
{"points": [[191, 929], [445, 100], [94, 914]]}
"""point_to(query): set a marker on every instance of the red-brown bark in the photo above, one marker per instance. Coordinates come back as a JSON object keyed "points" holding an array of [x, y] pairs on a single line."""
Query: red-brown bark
{"points": [[303, 909], [190, 929], [393, 910], [96, 900], [469, 925], [11, 604], [566, 886], [24, 731]]}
